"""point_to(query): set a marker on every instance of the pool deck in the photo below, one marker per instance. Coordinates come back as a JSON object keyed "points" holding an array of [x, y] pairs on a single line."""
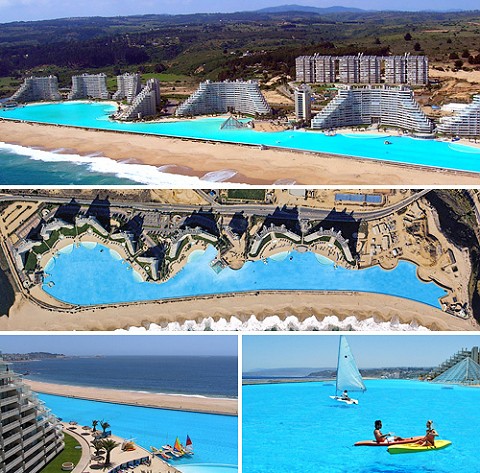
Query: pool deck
{"points": [[249, 161], [87, 464], [178, 402]]}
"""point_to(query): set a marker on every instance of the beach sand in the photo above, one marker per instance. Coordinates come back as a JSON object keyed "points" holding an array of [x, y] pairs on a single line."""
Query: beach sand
{"points": [[25, 315], [249, 162], [135, 398]]}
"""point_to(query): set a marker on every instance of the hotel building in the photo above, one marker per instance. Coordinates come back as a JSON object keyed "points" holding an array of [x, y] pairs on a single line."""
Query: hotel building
{"points": [[367, 105], [145, 104], [128, 87], [89, 86], [242, 97], [362, 69], [35, 89], [465, 122], [303, 103], [30, 437]]}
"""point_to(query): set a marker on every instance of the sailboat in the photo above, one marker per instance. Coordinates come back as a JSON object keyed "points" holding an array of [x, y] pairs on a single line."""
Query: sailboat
{"points": [[348, 377]]}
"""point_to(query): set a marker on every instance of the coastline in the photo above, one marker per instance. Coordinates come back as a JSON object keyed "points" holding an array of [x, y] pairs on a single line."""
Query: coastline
{"points": [[199, 158], [26, 315], [177, 402]]}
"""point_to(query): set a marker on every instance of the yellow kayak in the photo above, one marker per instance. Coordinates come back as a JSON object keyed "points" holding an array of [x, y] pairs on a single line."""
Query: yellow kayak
{"points": [[415, 447]]}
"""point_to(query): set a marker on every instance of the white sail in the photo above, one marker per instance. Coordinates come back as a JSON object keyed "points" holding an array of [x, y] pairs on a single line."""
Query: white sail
{"points": [[348, 376]]}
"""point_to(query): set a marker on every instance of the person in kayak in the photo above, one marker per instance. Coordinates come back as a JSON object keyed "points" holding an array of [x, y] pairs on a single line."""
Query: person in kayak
{"points": [[379, 437], [430, 434]]}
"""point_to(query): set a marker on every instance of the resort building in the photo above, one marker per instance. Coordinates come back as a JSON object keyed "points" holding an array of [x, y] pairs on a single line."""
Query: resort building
{"points": [[465, 122], [461, 368], [362, 69], [128, 87], [242, 97], [145, 104], [367, 105], [303, 103], [89, 86], [35, 89], [30, 436]]}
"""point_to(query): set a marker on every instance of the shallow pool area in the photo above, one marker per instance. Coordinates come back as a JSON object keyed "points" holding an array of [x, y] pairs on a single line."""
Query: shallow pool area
{"points": [[297, 427], [214, 437], [90, 276], [209, 468], [371, 146]]}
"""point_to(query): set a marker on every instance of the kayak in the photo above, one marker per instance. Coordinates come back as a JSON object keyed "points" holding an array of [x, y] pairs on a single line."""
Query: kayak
{"points": [[415, 447], [374, 443]]}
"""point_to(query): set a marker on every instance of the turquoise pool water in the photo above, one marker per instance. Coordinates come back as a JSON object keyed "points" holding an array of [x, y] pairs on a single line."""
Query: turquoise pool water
{"points": [[214, 437], [403, 149], [297, 427], [86, 276]]}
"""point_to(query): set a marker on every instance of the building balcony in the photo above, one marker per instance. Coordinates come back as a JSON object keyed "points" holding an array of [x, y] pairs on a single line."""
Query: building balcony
{"points": [[13, 463], [8, 453], [37, 459], [33, 436], [29, 417], [10, 413], [12, 425], [5, 401], [5, 441]]}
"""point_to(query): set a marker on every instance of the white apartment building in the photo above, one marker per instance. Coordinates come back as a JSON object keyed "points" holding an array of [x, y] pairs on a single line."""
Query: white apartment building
{"points": [[362, 69], [366, 105], [303, 103], [128, 87], [35, 89], [230, 96], [145, 104], [89, 86], [465, 122], [30, 436]]}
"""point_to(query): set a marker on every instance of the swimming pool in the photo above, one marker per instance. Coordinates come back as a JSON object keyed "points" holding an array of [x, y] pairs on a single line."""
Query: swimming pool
{"points": [[88, 276], [297, 427], [214, 436], [402, 150]]}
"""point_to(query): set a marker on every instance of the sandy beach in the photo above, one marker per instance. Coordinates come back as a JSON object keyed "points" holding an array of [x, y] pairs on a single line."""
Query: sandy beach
{"points": [[135, 398], [26, 315], [198, 158]]}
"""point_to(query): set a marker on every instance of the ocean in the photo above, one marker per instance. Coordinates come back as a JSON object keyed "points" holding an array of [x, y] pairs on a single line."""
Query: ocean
{"points": [[20, 165], [210, 376]]}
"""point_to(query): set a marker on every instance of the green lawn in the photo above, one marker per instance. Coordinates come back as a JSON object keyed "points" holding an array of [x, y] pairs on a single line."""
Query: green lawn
{"points": [[69, 454], [247, 194]]}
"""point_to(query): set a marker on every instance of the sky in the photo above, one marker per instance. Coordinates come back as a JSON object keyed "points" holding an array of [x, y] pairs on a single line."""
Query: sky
{"points": [[221, 345], [23, 10], [370, 351]]}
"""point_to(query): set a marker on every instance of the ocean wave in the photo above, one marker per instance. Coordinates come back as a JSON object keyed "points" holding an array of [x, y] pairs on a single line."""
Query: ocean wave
{"points": [[288, 324], [219, 176], [141, 173]]}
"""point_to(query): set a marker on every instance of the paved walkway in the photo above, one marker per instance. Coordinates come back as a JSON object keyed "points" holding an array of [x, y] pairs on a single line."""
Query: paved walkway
{"points": [[118, 456]]}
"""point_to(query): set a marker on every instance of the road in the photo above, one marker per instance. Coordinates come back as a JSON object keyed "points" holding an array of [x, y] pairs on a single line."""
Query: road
{"points": [[262, 210]]}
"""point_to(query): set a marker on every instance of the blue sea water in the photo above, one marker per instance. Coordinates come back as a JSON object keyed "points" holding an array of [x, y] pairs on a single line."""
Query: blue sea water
{"points": [[402, 150], [297, 427], [88, 276], [214, 437], [20, 165], [27, 166], [204, 376]]}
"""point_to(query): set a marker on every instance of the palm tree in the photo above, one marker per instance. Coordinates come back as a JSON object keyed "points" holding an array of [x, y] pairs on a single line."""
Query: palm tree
{"points": [[108, 445], [94, 425], [105, 426], [97, 445]]}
